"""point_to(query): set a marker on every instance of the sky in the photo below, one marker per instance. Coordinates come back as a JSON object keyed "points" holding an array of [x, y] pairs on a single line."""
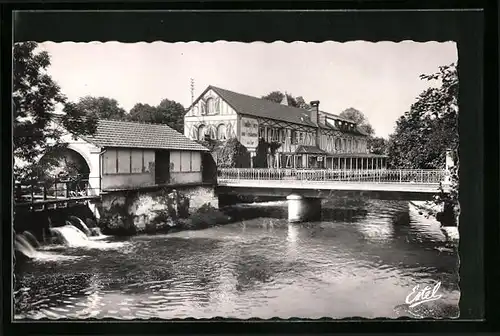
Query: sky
{"points": [[379, 79]]}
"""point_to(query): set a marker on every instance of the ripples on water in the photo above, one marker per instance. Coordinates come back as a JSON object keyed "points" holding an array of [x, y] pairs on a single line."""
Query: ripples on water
{"points": [[363, 259]]}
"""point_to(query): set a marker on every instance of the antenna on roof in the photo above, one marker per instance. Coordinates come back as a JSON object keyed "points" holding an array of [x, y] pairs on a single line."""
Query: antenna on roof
{"points": [[192, 91]]}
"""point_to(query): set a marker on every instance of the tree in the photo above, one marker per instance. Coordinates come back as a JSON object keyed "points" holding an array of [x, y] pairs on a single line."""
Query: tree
{"points": [[378, 145], [429, 128], [359, 118], [35, 98], [277, 97], [427, 131], [167, 112], [101, 107]]}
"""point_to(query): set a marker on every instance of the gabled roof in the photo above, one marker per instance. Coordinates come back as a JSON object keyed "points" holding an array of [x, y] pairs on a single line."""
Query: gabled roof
{"points": [[127, 134], [264, 108], [259, 107]]}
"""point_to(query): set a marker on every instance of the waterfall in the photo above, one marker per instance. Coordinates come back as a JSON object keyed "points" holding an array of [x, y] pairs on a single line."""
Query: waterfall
{"points": [[78, 223], [31, 239], [71, 236], [22, 245]]}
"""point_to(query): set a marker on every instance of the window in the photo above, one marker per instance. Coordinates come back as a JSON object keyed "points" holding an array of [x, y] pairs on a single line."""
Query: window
{"points": [[136, 161], [212, 132], [221, 132], [201, 132], [301, 137], [109, 162], [262, 133], [203, 108], [293, 137], [275, 134], [175, 162], [210, 106], [149, 160], [123, 161], [195, 161], [185, 161], [282, 135]]}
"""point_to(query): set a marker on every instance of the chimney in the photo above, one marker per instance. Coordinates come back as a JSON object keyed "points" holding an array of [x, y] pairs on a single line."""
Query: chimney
{"points": [[315, 119]]}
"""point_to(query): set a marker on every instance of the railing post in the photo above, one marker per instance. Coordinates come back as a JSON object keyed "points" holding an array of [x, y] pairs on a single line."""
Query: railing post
{"points": [[238, 174], [32, 192]]}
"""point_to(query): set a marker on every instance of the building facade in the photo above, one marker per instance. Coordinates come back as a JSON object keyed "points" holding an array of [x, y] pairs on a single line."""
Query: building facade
{"points": [[123, 155], [304, 138]]}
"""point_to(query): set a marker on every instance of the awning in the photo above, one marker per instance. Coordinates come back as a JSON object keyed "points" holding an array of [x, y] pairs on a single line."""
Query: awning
{"points": [[310, 150]]}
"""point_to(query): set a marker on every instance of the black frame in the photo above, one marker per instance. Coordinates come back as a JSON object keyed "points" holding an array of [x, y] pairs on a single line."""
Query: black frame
{"points": [[472, 29]]}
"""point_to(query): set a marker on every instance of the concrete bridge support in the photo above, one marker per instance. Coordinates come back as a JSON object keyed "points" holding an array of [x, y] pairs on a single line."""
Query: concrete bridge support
{"points": [[301, 209]]}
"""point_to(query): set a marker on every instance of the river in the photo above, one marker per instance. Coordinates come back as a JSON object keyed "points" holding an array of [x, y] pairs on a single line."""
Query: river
{"points": [[362, 260]]}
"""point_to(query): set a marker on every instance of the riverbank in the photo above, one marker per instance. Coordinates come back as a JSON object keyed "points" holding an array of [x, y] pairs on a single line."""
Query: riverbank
{"points": [[429, 209]]}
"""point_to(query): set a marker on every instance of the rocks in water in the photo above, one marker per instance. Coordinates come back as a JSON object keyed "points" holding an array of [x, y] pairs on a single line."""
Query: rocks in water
{"points": [[95, 232]]}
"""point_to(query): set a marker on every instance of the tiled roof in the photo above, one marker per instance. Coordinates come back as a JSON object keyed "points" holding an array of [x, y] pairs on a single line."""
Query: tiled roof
{"points": [[115, 133], [309, 150], [259, 107]]}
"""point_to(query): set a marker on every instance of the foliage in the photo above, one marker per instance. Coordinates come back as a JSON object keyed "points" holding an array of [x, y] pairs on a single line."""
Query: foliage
{"points": [[167, 112], [101, 107], [264, 153], [277, 97], [427, 131], [210, 143], [424, 133], [35, 98], [359, 118], [378, 145], [233, 155]]}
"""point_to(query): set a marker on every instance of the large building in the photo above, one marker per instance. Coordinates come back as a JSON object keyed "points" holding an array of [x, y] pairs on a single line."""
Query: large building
{"points": [[306, 138]]}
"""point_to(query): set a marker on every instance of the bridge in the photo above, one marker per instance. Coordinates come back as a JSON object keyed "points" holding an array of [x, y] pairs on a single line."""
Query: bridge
{"points": [[304, 188]]}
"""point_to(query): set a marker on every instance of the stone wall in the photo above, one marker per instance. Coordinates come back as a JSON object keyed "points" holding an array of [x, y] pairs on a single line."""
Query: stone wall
{"points": [[130, 212]]}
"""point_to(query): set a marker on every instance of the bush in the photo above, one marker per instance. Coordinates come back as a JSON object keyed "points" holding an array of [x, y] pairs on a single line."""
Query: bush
{"points": [[233, 155]]}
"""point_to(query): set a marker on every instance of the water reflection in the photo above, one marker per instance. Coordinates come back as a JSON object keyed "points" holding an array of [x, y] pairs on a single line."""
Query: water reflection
{"points": [[362, 259]]}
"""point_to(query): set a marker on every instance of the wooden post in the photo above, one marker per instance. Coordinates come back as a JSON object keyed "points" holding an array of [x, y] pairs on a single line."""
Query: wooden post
{"points": [[44, 190], [66, 192]]}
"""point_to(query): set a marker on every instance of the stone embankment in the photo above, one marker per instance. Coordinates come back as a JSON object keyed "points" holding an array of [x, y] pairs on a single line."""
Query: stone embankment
{"points": [[159, 212]]}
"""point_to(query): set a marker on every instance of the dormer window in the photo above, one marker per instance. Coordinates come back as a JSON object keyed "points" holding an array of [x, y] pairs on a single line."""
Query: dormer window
{"points": [[212, 106]]}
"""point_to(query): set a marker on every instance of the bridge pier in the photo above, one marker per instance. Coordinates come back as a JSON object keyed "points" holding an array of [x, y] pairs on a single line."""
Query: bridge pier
{"points": [[301, 209]]}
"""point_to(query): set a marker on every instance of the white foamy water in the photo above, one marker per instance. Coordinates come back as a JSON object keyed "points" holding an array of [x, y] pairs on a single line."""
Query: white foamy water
{"points": [[24, 247], [72, 237], [81, 224]]}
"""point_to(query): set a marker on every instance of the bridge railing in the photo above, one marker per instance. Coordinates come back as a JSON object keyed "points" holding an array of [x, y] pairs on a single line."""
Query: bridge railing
{"points": [[421, 176], [56, 189]]}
